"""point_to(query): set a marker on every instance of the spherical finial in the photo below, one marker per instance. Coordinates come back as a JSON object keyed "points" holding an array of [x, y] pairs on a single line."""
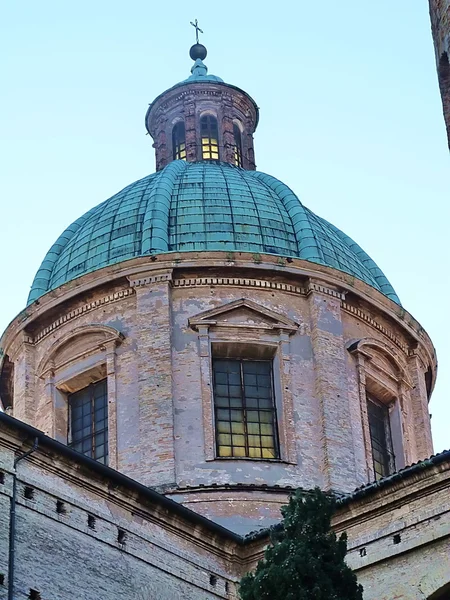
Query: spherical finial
{"points": [[198, 51]]}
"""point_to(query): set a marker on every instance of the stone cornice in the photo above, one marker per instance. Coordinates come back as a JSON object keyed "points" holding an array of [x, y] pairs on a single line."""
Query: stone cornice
{"points": [[82, 310]]}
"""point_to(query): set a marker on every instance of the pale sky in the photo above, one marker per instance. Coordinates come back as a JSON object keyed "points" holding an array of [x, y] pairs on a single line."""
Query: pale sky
{"points": [[351, 120]]}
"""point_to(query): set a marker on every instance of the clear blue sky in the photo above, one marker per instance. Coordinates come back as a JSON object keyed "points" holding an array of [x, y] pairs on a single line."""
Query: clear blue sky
{"points": [[351, 119]]}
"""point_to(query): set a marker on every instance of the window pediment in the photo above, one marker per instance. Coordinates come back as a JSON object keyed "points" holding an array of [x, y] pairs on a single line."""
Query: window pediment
{"points": [[243, 314], [82, 341]]}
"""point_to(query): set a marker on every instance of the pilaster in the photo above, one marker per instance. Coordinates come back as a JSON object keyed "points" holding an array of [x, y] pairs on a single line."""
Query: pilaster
{"points": [[331, 387], [153, 354], [419, 402]]}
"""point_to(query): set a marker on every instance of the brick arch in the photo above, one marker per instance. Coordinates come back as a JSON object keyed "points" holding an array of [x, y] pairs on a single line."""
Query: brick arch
{"points": [[99, 335], [389, 351]]}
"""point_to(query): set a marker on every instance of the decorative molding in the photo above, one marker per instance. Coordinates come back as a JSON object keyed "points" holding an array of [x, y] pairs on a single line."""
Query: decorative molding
{"points": [[150, 277], [272, 320], [239, 282], [368, 319], [108, 336], [81, 310], [322, 289]]}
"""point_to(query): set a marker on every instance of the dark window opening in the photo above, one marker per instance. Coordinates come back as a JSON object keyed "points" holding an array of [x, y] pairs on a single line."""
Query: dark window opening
{"points": [[121, 536], [179, 141], [428, 381], [34, 595], [362, 552], [212, 580], [209, 133], [380, 438], [444, 67], [28, 492], [7, 382], [237, 145], [397, 538], [245, 415], [89, 421], [2, 579], [91, 522], [60, 507], [2, 478]]}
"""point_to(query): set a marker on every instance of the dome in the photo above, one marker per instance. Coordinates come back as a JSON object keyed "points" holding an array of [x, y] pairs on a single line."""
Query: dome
{"points": [[202, 206]]}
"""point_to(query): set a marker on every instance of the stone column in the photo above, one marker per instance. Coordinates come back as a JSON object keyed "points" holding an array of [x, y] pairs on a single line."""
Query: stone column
{"points": [[153, 355], [331, 387]]}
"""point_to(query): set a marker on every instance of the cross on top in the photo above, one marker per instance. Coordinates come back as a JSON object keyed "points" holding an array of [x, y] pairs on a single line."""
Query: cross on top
{"points": [[197, 29]]}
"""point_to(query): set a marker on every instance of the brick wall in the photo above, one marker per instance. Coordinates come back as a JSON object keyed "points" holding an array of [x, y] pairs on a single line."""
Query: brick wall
{"points": [[440, 25]]}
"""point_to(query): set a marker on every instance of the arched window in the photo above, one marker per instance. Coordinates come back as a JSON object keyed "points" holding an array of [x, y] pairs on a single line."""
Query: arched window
{"points": [[209, 133], [237, 145], [179, 141]]}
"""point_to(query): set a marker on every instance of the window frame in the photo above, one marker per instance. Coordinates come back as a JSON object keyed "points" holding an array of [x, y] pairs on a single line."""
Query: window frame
{"points": [[179, 152], [208, 147], [245, 409], [90, 390], [238, 154], [387, 449]]}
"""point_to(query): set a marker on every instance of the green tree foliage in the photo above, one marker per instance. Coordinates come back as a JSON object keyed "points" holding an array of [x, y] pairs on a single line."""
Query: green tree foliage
{"points": [[305, 560]]}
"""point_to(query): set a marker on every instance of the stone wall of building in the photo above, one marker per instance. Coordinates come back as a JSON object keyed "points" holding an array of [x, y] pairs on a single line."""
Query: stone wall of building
{"points": [[87, 532], [153, 334], [440, 25], [81, 534]]}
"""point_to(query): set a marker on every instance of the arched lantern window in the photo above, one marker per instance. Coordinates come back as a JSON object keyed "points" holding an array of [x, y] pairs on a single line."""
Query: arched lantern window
{"points": [[209, 133], [179, 141], [237, 145]]}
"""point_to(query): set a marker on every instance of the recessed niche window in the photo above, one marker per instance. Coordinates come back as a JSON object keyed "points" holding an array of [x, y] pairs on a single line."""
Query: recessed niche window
{"points": [[237, 145], [380, 438], [245, 414], [179, 141], [89, 421], [209, 134]]}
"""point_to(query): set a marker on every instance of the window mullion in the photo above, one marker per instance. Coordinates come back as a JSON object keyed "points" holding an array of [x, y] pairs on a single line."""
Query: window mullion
{"points": [[92, 393], [244, 408]]}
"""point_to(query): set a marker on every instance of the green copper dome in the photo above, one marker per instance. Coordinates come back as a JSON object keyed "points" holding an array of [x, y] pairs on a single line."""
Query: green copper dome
{"points": [[202, 206]]}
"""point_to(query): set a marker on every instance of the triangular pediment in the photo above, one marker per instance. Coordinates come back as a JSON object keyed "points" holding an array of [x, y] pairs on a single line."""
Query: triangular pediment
{"points": [[246, 314]]}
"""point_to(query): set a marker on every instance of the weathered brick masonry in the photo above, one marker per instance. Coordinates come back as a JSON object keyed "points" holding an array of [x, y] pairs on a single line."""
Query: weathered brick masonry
{"points": [[440, 25], [147, 336], [87, 532]]}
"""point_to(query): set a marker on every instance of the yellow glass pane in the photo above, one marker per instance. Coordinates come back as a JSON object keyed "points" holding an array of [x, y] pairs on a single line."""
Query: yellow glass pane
{"points": [[215, 155], [238, 451], [223, 427], [238, 440], [266, 428], [267, 441], [254, 440], [254, 452], [268, 453], [224, 439], [237, 427], [225, 451], [206, 154], [253, 428]]}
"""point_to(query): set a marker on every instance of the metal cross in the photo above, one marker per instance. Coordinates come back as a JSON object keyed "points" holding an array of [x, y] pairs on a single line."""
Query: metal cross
{"points": [[197, 29]]}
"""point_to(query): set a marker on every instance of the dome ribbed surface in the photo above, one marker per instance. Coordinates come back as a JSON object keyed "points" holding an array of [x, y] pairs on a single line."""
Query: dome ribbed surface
{"points": [[202, 206]]}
